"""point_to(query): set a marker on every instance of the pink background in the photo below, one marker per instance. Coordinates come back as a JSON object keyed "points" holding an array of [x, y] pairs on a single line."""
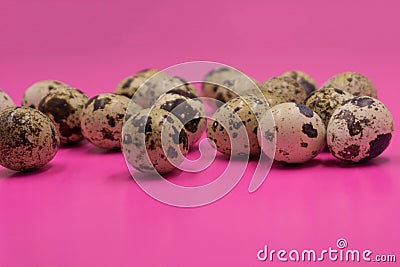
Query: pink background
{"points": [[85, 210]]}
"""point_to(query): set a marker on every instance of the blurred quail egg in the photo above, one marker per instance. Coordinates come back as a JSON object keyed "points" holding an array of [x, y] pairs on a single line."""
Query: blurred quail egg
{"points": [[64, 107], [303, 79], [224, 84], [159, 84], [129, 85], [299, 134], [28, 140], [233, 127], [5, 101], [35, 93], [190, 112], [273, 98], [154, 141], [360, 130], [325, 101], [286, 87], [102, 118], [354, 83]]}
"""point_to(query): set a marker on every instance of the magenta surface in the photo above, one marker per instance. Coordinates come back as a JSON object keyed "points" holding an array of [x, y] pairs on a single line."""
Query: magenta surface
{"points": [[86, 210]]}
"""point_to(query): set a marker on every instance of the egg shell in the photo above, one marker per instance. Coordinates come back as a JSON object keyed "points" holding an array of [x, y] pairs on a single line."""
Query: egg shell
{"points": [[28, 140], [224, 84], [273, 99], [102, 119], [360, 130], [239, 119], [285, 87], [64, 107], [37, 91], [325, 101], [299, 134], [353, 83], [190, 112], [152, 89], [5, 100], [129, 85], [303, 79], [143, 144], [212, 80]]}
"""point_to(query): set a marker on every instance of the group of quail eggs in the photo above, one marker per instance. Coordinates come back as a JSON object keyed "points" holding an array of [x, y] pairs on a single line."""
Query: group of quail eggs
{"points": [[344, 116]]}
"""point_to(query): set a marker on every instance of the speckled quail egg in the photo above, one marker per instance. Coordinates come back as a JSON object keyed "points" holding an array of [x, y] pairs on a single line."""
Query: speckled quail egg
{"points": [[325, 101], [303, 79], [299, 133], [286, 87], [154, 141], [129, 85], [360, 130], [233, 127], [64, 107], [190, 112], [224, 84], [35, 93], [102, 119], [159, 84], [5, 101], [354, 83], [131, 110], [28, 140], [273, 99], [212, 80]]}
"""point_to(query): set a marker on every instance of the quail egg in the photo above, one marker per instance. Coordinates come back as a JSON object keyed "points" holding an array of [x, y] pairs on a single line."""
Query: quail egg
{"points": [[102, 118], [325, 101], [303, 79], [233, 127], [28, 140], [5, 101], [64, 107], [299, 134], [153, 140], [190, 112], [129, 85], [286, 87], [224, 84], [35, 93], [273, 98], [354, 83], [159, 84], [360, 129]]}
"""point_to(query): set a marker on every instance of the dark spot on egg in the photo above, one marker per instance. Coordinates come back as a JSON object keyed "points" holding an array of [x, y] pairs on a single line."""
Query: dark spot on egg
{"points": [[57, 107], [350, 152], [111, 120], [101, 103], [192, 125], [305, 110], [338, 91], [378, 145], [127, 84], [353, 125], [172, 153], [309, 130], [362, 102], [303, 144], [309, 87], [127, 139], [269, 136]]}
